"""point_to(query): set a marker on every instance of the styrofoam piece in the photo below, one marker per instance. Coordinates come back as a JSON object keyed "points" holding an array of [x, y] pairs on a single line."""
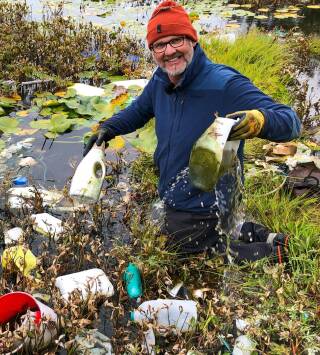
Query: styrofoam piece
{"points": [[127, 83], [12, 235], [47, 224], [17, 196], [93, 281], [87, 90]]}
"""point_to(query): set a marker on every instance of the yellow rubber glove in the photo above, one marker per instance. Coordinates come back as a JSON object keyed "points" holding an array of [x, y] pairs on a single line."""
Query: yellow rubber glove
{"points": [[250, 124]]}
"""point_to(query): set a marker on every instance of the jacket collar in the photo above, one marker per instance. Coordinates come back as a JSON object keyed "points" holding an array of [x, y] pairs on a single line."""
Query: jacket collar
{"points": [[191, 71]]}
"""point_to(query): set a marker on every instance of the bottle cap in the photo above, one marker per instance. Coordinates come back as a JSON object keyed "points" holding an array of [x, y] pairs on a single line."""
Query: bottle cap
{"points": [[20, 181]]}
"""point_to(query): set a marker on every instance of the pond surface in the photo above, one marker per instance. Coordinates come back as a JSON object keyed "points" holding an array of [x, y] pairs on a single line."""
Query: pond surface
{"points": [[212, 15]]}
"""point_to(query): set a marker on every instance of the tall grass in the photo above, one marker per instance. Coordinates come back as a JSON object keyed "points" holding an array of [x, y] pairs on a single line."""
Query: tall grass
{"points": [[259, 57]]}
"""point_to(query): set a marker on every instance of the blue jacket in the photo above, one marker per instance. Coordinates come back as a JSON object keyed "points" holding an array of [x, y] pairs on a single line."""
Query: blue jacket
{"points": [[184, 113]]}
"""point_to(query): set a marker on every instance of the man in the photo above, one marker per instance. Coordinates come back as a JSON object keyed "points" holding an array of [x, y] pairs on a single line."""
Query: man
{"points": [[184, 94]]}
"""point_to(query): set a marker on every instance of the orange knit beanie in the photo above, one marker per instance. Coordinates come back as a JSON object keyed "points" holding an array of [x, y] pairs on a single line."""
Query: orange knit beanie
{"points": [[169, 19]]}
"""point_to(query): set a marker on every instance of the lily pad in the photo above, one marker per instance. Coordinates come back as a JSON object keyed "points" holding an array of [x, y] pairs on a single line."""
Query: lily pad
{"points": [[261, 17], [146, 141], [51, 103], [7, 102], [313, 7], [117, 143], [8, 124], [24, 113]]}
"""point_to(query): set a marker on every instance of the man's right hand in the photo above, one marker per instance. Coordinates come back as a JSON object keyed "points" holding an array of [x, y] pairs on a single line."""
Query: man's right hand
{"points": [[103, 135]]}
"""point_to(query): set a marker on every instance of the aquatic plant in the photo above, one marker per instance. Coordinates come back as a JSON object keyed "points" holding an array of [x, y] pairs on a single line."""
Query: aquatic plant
{"points": [[61, 49]]}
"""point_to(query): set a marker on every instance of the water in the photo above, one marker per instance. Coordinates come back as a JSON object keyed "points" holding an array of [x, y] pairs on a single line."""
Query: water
{"points": [[137, 13]]}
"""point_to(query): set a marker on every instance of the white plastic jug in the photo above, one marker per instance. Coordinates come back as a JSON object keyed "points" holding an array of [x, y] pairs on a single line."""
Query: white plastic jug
{"points": [[177, 314], [93, 281], [87, 180], [212, 154]]}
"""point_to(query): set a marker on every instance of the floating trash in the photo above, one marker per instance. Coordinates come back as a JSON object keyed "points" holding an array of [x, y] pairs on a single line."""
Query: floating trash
{"points": [[93, 281], [91, 341], [132, 279], [13, 235], [88, 178], [243, 346], [47, 225], [38, 323], [19, 257], [212, 155], [167, 314]]}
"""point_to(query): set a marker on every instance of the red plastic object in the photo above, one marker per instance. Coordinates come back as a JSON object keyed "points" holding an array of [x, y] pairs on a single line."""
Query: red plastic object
{"points": [[15, 303]]}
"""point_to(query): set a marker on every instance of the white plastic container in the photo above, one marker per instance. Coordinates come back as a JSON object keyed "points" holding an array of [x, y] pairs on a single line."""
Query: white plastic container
{"points": [[176, 314], [87, 180], [46, 224], [243, 346], [13, 235], [93, 281], [212, 154]]}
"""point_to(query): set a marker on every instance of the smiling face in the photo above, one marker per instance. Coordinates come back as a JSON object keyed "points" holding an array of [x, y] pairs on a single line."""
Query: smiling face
{"points": [[174, 61]]}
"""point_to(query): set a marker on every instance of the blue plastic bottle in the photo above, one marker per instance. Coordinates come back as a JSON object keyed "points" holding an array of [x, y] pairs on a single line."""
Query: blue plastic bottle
{"points": [[132, 279]]}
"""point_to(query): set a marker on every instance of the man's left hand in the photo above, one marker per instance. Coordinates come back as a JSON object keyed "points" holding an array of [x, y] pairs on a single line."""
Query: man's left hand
{"points": [[250, 124]]}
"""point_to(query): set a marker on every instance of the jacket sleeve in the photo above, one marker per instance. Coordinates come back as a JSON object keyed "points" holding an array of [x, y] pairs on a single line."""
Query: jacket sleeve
{"points": [[135, 116], [281, 122]]}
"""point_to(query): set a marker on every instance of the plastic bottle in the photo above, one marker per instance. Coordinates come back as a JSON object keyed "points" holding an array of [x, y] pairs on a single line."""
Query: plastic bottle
{"points": [[87, 180], [177, 314], [132, 279]]}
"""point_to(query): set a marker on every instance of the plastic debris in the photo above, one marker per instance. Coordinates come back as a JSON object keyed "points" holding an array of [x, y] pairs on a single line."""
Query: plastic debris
{"points": [[46, 224], [38, 321], [175, 290], [20, 181], [212, 154], [87, 90], [242, 325], [21, 257], [93, 342], [132, 279], [149, 343], [93, 281], [12, 235], [177, 315], [88, 178], [27, 161], [243, 346], [17, 197]]}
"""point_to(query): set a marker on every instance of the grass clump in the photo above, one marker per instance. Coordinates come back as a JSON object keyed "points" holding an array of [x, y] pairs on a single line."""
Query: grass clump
{"points": [[285, 297], [259, 57], [315, 46]]}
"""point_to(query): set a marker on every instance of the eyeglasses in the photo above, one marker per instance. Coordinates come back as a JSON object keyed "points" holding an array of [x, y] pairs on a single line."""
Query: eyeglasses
{"points": [[160, 47]]}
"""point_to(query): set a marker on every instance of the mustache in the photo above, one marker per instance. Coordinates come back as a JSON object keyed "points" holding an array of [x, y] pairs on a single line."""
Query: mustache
{"points": [[168, 57]]}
